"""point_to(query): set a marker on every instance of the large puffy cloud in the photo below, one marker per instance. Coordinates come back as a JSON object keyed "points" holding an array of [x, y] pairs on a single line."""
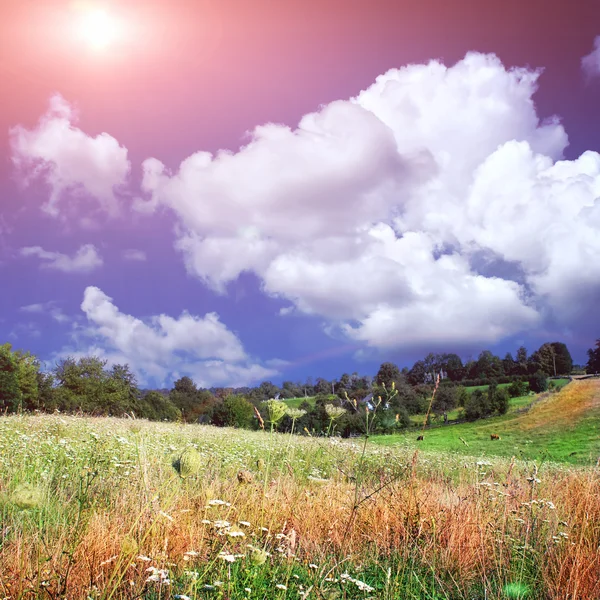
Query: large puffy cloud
{"points": [[85, 260], [68, 160], [591, 62], [376, 212], [162, 347]]}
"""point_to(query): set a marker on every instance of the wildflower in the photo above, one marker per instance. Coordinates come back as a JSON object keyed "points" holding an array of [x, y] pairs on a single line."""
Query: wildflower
{"points": [[144, 558], [258, 557], [334, 412], [248, 590], [222, 524], [227, 557], [218, 503], [361, 585], [313, 566], [276, 410], [244, 523], [295, 413], [280, 586], [235, 534]]}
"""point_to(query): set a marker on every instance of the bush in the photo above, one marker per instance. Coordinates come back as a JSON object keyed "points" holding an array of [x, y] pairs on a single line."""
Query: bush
{"points": [[501, 401], [517, 389], [538, 382]]}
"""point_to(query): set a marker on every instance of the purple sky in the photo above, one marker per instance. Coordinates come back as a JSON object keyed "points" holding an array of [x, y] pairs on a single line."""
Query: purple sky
{"points": [[240, 191]]}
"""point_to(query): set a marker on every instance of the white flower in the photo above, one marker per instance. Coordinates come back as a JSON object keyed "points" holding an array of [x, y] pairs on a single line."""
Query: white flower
{"points": [[227, 557], [222, 524], [236, 534], [280, 586]]}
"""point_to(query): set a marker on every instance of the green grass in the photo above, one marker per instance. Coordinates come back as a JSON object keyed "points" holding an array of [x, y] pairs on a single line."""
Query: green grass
{"points": [[568, 437], [296, 402]]}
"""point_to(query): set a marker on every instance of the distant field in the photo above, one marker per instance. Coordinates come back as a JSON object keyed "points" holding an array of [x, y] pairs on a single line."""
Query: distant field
{"points": [[296, 402], [564, 427]]}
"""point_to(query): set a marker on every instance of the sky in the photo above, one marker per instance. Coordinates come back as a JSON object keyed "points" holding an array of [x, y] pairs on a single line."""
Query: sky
{"points": [[244, 191]]}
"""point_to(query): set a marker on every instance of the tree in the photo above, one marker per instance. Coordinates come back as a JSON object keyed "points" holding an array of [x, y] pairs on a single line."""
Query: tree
{"points": [[538, 382], [509, 365], [322, 386], [500, 401], [517, 389], [553, 359], [476, 405], [185, 397], [521, 360], [157, 407], [488, 366], [563, 362], [453, 366], [593, 363], [416, 375], [388, 373], [10, 394], [234, 411], [446, 398]]}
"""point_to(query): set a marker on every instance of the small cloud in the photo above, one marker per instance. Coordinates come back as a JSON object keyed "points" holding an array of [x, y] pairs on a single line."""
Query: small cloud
{"points": [[85, 260], [22, 330], [69, 161], [591, 63], [162, 347], [47, 308], [286, 310], [132, 254]]}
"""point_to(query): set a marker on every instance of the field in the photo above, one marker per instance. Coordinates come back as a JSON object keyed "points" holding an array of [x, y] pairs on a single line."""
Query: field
{"points": [[563, 427], [109, 508]]}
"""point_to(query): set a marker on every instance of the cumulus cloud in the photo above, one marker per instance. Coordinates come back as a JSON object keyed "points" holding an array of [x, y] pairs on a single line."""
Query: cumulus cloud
{"points": [[134, 255], [591, 63], [375, 212], [70, 162], [85, 260], [200, 347]]}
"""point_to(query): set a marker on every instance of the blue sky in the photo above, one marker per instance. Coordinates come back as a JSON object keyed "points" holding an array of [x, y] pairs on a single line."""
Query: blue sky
{"points": [[298, 189]]}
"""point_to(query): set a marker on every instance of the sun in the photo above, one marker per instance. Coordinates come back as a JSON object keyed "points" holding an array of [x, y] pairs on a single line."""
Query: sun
{"points": [[98, 29]]}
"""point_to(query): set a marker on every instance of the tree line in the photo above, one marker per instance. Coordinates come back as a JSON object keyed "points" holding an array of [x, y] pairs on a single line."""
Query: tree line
{"points": [[88, 385]]}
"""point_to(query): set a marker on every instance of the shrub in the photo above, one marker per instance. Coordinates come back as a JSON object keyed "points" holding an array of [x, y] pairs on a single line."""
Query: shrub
{"points": [[538, 382], [501, 401], [517, 389]]}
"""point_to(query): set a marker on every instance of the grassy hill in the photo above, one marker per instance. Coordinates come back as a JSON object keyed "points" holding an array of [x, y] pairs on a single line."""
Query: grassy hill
{"points": [[564, 427]]}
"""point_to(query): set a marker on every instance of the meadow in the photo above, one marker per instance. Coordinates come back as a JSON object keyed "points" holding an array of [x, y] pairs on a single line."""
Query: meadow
{"points": [[115, 508]]}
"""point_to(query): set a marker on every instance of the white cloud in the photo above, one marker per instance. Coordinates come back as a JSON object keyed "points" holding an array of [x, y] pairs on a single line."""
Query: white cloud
{"points": [[389, 213], [46, 308], [200, 347], [134, 255], [69, 161], [85, 260], [374, 212], [591, 63]]}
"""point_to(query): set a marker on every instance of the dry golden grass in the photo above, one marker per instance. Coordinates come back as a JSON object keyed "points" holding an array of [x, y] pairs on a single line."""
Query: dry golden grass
{"points": [[470, 527], [574, 401]]}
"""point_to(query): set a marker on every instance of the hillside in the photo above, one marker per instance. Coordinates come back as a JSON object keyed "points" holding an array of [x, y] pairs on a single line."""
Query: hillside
{"points": [[563, 427]]}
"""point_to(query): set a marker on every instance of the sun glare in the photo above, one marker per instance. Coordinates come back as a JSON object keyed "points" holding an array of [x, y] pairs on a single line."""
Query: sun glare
{"points": [[98, 29]]}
